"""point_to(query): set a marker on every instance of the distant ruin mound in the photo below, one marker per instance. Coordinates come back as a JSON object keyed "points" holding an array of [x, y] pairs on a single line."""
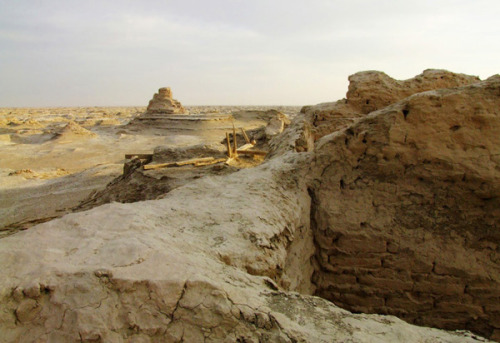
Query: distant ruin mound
{"points": [[166, 113], [163, 102]]}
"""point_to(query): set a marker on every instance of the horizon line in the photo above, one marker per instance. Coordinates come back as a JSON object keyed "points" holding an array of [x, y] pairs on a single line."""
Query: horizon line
{"points": [[98, 106]]}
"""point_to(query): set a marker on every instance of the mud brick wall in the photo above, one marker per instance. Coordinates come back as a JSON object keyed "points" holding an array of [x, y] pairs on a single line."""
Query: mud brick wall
{"points": [[376, 275], [406, 210]]}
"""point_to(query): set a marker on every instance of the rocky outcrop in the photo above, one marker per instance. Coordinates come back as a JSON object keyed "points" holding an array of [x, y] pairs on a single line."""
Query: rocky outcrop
{"points": [[406, 210], [187, 267], [373, 90], [163, 102]]}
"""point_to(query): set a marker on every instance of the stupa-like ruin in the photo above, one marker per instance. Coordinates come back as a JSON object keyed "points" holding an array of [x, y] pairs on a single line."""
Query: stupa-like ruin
{"points": [[163, 102], [164, 112]]}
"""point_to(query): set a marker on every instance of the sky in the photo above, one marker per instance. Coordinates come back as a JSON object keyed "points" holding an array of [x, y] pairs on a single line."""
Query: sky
{"points": [[231, 52]]}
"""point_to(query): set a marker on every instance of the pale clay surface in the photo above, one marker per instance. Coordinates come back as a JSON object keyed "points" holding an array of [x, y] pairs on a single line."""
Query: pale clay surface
{"points": [[47, 168]]}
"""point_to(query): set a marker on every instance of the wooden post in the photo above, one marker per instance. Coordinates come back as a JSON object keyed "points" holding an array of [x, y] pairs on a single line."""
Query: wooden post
{"points": [[235, 153], [229, 150], [247, 140]]}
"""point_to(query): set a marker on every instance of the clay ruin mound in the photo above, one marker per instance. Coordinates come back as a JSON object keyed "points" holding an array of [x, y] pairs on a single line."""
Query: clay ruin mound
{"points": [[137, 184], [165, 113], [163, 102], [396, 213]]}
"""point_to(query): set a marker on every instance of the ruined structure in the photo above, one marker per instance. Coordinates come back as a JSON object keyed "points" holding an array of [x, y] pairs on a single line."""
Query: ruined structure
{"points": [[392, 210], [406, 210], [164, 112], [163, 103]]}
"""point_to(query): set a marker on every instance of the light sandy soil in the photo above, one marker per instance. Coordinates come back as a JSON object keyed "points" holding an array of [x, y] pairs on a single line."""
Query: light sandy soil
{"points": [[47, 167]]}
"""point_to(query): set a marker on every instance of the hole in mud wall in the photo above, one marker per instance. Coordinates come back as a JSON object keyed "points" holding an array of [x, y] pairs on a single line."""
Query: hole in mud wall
{"points": [[342, 184], [366, 270], [405, 113]]}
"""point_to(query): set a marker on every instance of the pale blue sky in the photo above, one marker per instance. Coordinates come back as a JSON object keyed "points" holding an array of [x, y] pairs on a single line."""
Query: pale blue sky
{"points": [[70, 53]]}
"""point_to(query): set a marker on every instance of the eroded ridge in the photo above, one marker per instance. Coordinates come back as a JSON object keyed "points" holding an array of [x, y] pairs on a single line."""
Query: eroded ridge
{"points": [[373, 90]]}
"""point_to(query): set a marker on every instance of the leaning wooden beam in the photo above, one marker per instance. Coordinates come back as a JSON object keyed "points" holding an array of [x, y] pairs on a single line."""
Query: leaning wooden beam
{"points": [[178, 163], [158, 166], [194, 161], [247, 140], [229, 150], [246, 146], [253, 152]]}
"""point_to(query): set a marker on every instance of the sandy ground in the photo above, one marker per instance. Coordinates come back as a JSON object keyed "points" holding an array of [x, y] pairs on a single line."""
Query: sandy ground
{"points": [[47, 167]]}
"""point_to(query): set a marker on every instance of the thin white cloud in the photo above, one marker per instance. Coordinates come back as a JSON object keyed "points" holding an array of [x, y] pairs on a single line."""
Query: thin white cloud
{"points": [[232, 51]]}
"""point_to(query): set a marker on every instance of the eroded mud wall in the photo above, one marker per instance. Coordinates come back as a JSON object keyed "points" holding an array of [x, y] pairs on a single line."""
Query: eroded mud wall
{"points": [[406, 209]]}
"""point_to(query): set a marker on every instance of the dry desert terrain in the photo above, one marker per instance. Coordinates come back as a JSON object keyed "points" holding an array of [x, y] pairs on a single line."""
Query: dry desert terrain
{"points": [[373, 218]]}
